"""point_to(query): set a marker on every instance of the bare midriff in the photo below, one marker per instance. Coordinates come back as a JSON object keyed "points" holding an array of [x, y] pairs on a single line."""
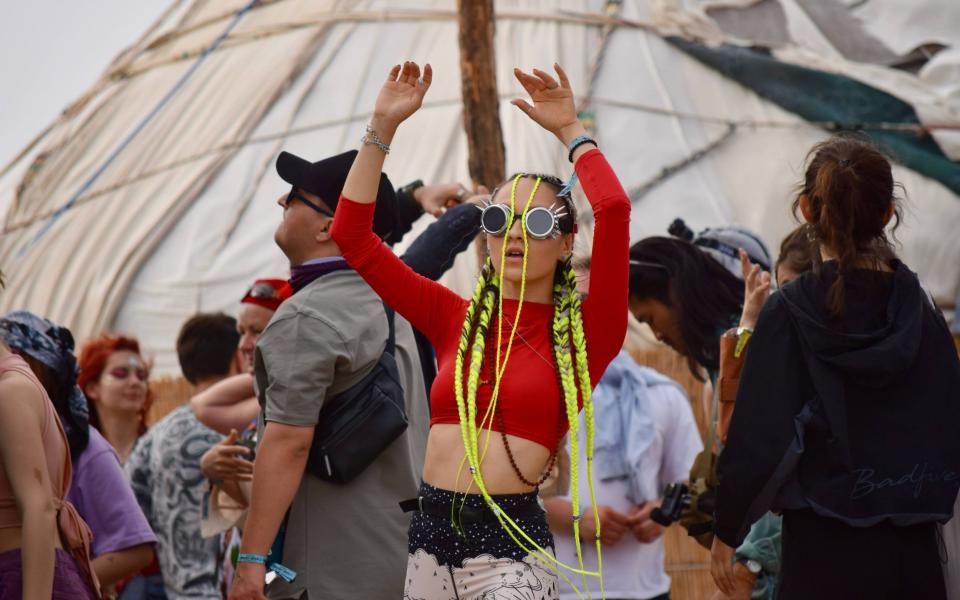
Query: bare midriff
{"points": [[11, 539], [445, 454]]}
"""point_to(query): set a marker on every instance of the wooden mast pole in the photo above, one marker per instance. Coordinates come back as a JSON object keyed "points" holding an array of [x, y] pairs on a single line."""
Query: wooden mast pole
{"points": [[478, 79]]}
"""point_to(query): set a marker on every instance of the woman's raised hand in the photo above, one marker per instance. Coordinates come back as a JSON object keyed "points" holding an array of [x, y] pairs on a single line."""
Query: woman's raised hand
{"points": [[756, 288], [401, 95], [553, 107]]}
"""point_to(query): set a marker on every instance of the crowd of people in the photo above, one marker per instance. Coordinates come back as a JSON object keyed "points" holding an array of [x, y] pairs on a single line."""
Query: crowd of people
{"points": [[361, 431]]}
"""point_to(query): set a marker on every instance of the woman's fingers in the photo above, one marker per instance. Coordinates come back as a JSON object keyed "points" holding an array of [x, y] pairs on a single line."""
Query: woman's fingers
{"points": [[728, 575], [721, 566], [535, 82], [405, 73], [564, 80], [719, 577], [548, 81], [393, 74], [231, 450], [237, 464], [522, 105], [409, 74], [427, 76], [744, 263], [530, 84]]}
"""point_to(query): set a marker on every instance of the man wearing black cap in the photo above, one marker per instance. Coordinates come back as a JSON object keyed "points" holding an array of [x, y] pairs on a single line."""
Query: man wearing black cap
{"points": [[341, 540]]}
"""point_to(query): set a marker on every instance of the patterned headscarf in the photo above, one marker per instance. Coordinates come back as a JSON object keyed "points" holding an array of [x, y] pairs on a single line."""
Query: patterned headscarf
{"points": [[52, 345]]}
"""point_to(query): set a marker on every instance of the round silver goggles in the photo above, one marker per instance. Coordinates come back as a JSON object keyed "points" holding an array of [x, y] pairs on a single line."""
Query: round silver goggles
{"points": [[540, 222]]}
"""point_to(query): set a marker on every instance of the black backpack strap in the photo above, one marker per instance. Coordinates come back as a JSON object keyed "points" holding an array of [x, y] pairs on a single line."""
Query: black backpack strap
{"points": [[392, 337]]}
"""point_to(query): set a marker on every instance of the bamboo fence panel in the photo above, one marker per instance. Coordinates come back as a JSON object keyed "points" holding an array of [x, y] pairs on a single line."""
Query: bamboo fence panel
{"points": [[168, 393]]}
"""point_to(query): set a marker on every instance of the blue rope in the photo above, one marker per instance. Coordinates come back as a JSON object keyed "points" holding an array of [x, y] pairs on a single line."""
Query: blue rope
{"points": [[133, 134]]}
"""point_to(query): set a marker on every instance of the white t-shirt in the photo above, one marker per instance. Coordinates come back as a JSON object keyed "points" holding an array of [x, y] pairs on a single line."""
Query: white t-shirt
{"points": [[633, 570]]}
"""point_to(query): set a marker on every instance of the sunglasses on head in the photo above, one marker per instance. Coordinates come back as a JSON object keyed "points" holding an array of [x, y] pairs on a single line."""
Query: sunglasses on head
{"points": [[122, 373], [263, 291], [295, 195]]}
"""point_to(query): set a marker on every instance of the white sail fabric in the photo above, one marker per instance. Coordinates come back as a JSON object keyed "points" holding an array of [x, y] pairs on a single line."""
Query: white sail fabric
{"points": [[182, 219]]}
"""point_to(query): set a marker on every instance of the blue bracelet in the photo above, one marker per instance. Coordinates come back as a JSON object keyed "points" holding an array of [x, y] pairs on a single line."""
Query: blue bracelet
{"points": [[258, 559], [577, 142], [285, 573]]}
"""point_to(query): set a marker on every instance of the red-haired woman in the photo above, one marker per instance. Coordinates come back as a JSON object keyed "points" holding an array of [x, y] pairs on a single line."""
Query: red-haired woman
{"points": [[846, 417], [113, 375]]}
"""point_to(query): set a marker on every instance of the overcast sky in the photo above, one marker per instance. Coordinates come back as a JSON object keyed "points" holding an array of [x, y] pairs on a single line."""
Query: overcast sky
{"points": [[51, 51]]}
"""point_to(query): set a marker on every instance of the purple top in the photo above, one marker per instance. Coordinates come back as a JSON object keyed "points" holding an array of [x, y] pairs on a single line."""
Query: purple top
{"points": [[105, 500]]}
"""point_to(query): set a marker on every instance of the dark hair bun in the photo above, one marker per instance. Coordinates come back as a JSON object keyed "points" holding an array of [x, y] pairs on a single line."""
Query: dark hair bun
{"points": [[679, 229]]}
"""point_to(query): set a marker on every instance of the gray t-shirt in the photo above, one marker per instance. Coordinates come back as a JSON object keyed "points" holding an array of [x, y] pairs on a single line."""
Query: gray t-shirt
{"points": [[164, 471], [344, 541]]}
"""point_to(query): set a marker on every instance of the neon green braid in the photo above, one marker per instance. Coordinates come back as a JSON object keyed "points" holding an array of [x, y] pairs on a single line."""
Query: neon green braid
{"points": [[586, 392], [564, 364], [482, 298]]}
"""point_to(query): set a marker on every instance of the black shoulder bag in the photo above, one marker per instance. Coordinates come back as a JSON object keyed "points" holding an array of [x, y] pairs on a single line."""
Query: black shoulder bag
{"points": [[359, 423]]}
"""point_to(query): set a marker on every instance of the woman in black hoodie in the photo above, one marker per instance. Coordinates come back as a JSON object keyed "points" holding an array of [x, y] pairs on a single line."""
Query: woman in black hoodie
{"points": [[847, 411]]}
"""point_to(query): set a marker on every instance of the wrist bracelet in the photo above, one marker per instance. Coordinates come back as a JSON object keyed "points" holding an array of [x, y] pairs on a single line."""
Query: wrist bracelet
{"points": [[406, 194], [577, 142], [283, 572], [257, 559], [373, 139]]}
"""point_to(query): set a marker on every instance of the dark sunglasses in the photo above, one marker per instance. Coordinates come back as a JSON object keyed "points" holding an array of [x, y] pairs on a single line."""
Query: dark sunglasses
{"points": [[124, 372], [295, 195]]}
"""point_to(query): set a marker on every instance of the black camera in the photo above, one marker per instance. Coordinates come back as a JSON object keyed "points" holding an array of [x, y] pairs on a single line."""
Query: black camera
{"points": [[250, 443], [676, 498]]}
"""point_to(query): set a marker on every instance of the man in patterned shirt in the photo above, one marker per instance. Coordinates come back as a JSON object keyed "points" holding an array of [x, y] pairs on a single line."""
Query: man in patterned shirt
{"points": [[164, 467]]}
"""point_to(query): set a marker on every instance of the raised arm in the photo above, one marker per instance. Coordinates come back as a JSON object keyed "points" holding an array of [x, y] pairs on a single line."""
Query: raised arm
{"points": [[434, 250], [605, 310], [228, 404], [417, 298]]}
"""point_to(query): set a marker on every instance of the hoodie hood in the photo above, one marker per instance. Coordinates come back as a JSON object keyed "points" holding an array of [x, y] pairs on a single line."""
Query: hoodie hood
{"points": [[872, 342]]}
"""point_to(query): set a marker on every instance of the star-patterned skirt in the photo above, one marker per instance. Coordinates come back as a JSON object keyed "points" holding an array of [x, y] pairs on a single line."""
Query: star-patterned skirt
{"points": [[482, 562]]}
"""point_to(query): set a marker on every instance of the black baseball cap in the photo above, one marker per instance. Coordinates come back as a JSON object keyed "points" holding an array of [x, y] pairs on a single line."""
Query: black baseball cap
{"points": [[325, 178]]}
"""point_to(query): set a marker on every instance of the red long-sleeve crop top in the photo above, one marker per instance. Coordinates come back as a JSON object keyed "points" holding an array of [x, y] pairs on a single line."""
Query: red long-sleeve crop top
{"points": [[530, 400]]}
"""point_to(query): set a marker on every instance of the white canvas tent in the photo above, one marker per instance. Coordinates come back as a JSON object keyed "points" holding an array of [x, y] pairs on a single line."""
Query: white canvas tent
{"points": [[153, 198]]}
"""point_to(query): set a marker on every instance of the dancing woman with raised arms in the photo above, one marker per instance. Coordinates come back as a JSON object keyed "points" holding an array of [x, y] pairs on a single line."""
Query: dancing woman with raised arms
{"points": [[516, 362]]}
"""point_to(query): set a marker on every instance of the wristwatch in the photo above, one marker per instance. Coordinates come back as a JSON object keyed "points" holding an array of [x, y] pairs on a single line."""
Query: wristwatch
{"points": [[753, 566], [405, 194]]}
